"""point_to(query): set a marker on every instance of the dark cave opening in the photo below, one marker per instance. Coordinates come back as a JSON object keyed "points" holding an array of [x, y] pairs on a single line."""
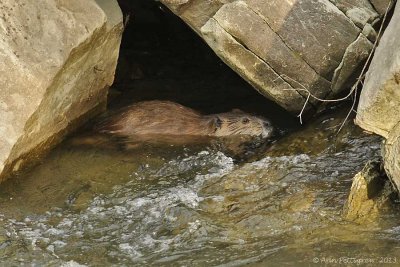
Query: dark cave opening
{"points": [[163, 58]]}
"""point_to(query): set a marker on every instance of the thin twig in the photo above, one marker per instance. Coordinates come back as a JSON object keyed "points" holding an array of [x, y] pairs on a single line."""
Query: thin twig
{"points": [[302, 110], [353, 90], [355, 86], [350, 111]]}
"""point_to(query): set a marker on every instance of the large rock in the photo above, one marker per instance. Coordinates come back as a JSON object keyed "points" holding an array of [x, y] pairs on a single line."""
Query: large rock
{"points": [[57, 59], [379, 107], [280, 46]]}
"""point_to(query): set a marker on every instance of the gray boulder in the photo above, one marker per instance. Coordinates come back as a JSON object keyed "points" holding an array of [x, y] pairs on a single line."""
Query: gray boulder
{"points": [[381, 5], [57, 60], [280, 47]]}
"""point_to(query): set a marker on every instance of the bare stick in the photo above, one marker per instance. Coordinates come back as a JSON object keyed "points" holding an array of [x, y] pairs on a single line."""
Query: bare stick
{"points": [[350, 111], [302, 110]]}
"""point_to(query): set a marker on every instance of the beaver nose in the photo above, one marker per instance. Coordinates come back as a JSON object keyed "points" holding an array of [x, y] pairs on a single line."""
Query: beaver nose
{"points": [[267, 125]]}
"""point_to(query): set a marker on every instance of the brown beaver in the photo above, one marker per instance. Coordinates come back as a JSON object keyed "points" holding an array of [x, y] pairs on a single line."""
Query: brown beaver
{"points": [[165, 118]]}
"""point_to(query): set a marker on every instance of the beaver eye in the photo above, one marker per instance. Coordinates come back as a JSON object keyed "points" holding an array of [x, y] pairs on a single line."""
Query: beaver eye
{"points": [[245, 120]]}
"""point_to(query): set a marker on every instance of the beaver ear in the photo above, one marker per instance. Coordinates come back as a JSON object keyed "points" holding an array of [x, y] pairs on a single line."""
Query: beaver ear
{"points": [[236, 110]]}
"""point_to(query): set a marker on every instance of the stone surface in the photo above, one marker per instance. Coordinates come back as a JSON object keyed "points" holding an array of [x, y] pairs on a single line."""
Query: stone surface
{"points": [[307, 44], [369, 194], [263, 41], [57, 59], [323, 52], [378, 109], [264, 78], [381, 5], [391, 154], [352, 63], [360, 12]]}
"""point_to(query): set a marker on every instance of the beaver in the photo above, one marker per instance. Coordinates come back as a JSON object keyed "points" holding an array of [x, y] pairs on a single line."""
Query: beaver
{"points": [[165, 118]]}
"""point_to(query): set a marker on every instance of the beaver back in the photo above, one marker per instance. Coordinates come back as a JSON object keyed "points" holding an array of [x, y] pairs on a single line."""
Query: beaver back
{"points": [[156, 118]]}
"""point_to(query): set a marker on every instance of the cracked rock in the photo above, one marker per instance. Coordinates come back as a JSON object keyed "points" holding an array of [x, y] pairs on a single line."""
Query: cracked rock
{"points": [[308, 44]]}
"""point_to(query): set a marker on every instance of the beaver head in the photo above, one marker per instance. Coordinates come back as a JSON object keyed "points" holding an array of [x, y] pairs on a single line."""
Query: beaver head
{"points": [[238, 122]]}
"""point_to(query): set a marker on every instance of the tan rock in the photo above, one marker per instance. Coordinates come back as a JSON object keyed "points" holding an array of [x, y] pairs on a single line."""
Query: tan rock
{"points": [[57, 59], [391, 157], [379, 107], [369, 195]]}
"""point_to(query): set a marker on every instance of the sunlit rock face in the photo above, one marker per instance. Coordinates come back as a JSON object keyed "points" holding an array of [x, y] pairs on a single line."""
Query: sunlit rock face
{"points": [[57, 59], [378, 109], [280, 46], [391, 157], [370, 195]]}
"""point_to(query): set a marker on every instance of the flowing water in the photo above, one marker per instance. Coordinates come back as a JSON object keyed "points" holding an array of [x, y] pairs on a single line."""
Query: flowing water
{"points": [[170, 205]]}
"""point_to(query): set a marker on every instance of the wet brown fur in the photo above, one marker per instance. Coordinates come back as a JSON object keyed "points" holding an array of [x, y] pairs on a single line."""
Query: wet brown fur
{"points": [[155, 118]]}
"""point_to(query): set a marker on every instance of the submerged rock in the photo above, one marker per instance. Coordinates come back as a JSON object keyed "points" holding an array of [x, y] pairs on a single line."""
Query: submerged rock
{"points": [[57, 61], [370, 193], [281, 46]]}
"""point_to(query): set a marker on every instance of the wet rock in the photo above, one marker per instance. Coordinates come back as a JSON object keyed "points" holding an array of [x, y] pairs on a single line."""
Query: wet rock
{"points": [[57, 62], [370, 194], [378, 108], [264, 42]]}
